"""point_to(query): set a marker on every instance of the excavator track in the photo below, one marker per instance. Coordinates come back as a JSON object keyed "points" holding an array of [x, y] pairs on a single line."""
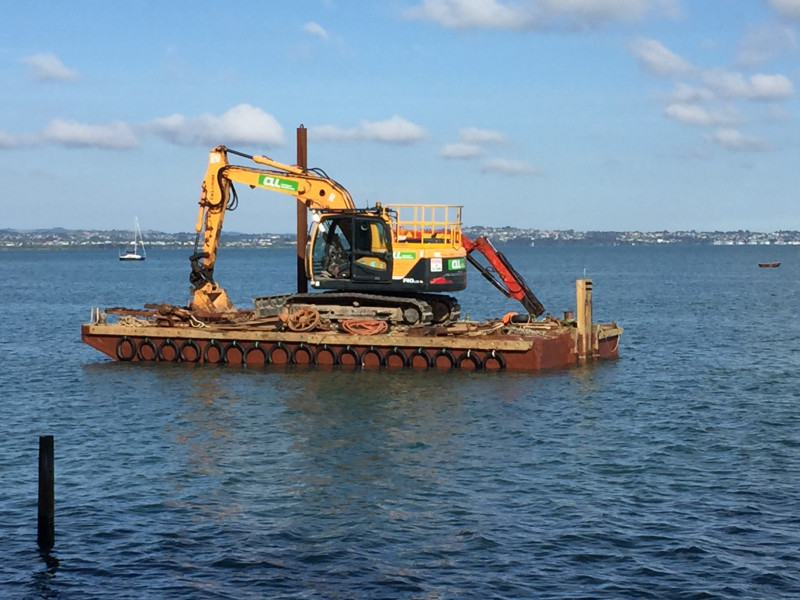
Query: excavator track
{"points": [[423, 309], [446, 309]]}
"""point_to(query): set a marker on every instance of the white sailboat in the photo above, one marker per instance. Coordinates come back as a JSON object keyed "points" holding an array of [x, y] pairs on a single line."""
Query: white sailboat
{"points": [[137, 251]]}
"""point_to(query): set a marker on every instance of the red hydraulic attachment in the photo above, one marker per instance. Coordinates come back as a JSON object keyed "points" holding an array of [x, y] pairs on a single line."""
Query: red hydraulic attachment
{"points": [[512, 284]]}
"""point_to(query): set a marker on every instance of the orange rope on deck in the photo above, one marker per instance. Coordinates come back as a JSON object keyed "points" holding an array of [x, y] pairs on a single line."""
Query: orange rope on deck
{"points": [[365, 326]]}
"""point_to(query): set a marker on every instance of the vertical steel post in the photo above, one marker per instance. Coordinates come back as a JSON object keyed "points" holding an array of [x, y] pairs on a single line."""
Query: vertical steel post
{"points": [[302, 213]]}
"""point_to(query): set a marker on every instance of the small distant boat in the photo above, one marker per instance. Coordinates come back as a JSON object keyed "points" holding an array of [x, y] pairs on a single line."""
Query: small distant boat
{"points": [[136, 251], [770, 265]]}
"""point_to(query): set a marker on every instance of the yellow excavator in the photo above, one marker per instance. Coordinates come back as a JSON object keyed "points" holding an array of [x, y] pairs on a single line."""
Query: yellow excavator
{"points": [[394, 262]]}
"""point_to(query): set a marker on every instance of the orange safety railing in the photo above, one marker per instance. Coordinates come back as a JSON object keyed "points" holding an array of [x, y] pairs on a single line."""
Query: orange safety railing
{"points": [[426, 223]]}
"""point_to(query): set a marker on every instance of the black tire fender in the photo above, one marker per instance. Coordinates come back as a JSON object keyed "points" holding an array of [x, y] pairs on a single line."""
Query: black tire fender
{"points": [[222, 359], [190, 343], [168, 343], [236, 345], [424, 354], [373, 351], [326, 349], [348, 351], [256, 347], [447, 354], [147, 343], [308, 350], [127, 355], [284, 348], [395, 352], [495, 356], [472, 357]]}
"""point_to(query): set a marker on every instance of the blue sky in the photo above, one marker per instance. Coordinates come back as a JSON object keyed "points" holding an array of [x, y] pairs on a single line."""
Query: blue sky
{"points": [[547, 114]]}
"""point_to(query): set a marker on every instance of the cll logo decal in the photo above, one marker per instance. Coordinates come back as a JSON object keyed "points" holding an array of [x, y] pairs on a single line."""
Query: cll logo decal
{"points": [[277, 182], [456, 264]]}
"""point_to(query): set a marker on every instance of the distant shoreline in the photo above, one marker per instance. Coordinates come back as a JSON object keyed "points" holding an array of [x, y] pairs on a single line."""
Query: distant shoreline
{"points": [[54, 239]]}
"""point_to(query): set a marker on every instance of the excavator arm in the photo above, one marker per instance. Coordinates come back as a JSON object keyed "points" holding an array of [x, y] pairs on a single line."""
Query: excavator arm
{"points": [[511, 283], [218, 195]]}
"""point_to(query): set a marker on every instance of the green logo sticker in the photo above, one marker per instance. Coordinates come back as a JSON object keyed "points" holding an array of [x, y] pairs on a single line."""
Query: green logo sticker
{"points": [[456, 264], [277, 182], [404, 254]]}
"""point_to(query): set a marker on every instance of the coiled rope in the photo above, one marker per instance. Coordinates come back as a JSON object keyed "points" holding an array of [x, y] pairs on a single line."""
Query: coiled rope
{"points": [[365, 326]]}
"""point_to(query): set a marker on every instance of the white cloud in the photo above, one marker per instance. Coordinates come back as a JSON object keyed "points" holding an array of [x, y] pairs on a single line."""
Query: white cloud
{"points": [[534, 14], [396, 130], [692, 114], [315, 29], [712, 102], [508, 167], [48, 67], [471, 141], [732, 84], [473, 135], [736, 140], [467, 14], [771, 87], [775, 112], [685, 93], [15, 141], [590, 12], [658, 59], [460, 151], [332, 133], [115, 136], [788, 8], [766, 41], [241, 124]]}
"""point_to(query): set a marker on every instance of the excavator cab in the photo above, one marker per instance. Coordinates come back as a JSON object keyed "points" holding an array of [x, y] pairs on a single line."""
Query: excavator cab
{"points": [[349, 247]]}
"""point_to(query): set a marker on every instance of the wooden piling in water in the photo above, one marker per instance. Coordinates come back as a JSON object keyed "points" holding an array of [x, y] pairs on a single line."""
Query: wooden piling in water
{"points": [[46, 525]]}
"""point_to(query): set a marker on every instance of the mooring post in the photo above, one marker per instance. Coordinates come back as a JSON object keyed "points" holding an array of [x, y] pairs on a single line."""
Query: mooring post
{"points": [[47, 495], [302, 213], [583, 302]]}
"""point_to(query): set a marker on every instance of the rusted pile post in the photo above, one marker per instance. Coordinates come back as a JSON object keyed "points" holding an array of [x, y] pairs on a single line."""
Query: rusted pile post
{"points": [[585, 344]]}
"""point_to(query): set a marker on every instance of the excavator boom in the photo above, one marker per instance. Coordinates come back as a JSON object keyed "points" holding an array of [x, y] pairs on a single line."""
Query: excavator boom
{"points": [[511, 283], [218, 196]]}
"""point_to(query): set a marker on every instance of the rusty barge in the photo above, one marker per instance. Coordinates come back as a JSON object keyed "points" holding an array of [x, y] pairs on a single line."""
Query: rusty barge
{"points": [[166, 333], [381, 279]]}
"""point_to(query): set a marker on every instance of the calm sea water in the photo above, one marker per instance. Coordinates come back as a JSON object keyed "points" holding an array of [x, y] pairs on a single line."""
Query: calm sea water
{"points": [[673, 472]]}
